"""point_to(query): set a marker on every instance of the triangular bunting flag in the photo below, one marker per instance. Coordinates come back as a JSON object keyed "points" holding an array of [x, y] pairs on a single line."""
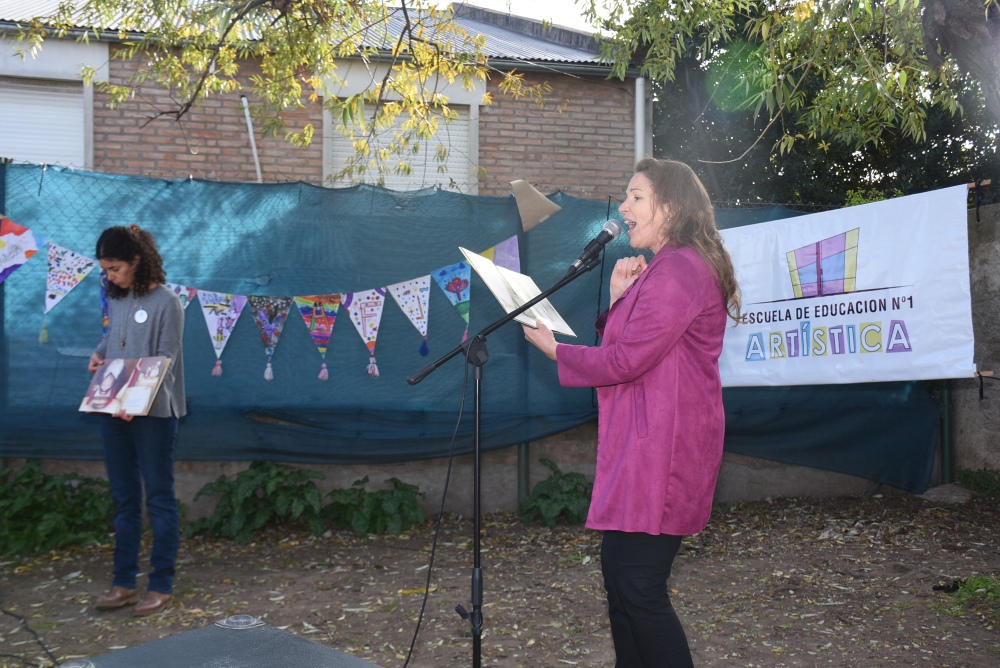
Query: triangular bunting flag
{"points": [[365, 309], [221, 312], [17, 245], [320, 313], [454, 280], [506, 254], [184, 293], [413, 297], [270, 314], [66, 269]]}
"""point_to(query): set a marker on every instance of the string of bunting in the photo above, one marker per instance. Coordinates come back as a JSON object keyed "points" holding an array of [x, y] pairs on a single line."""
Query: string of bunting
{"points": [[221, 311]]}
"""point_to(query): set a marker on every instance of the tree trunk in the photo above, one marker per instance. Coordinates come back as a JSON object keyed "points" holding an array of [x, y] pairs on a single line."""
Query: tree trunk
{"points": [[969, 30]]}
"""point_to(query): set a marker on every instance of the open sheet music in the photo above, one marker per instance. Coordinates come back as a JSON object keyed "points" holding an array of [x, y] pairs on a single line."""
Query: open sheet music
{"points": [[512, 290]]}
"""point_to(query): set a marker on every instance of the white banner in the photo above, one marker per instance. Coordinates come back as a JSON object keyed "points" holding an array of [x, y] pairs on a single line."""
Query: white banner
{"points": [[875, 292]]}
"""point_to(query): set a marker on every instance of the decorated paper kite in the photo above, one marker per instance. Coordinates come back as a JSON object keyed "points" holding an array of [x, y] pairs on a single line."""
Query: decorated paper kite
{"points": [[221, 312], [17, 245], [413, 298], [184, 293], [365, 309], [454, 280], [320, 313], [270, 314]]}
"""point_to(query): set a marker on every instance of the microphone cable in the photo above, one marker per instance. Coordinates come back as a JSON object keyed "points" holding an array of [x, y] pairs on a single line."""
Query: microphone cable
{"points": [[23, 622], [437, 525]]}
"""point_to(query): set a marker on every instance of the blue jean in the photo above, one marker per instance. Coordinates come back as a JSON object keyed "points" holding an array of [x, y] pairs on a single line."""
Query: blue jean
{"points": [[140, 454], [644, 626]]}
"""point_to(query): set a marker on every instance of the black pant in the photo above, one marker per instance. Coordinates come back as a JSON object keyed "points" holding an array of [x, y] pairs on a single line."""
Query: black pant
{"points": [[644, 626]]}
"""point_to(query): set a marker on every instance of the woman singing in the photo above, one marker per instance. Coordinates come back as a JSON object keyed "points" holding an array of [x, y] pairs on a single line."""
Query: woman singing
{"points": [[660, 415]]}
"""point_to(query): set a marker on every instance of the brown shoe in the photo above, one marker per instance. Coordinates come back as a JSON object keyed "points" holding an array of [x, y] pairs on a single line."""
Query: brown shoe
{"points": [[117, 598], [152, 602]]}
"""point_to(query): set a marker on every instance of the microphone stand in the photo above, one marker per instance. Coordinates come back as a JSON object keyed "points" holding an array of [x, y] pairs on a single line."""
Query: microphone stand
{"points": [[477, 355]]}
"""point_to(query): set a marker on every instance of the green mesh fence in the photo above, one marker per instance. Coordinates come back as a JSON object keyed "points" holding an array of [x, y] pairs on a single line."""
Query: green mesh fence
{"points": [[295, 239]]}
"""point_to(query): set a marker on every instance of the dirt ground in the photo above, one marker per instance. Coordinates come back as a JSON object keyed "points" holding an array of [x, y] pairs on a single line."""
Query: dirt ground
{"points": [[788, 582]]}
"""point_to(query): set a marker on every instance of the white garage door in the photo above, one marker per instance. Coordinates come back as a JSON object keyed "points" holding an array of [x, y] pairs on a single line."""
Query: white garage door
{"points": [[42, 121]]}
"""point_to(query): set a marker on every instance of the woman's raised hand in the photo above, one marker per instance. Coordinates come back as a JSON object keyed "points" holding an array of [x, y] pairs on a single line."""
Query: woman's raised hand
{"points": [[626, 271]]}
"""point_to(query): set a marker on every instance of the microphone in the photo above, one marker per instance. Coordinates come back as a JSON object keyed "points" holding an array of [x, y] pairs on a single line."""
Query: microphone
{"points": [[611, 230]]}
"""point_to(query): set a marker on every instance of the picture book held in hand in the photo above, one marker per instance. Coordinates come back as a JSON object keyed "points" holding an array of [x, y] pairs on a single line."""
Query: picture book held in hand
{"points": [[128, 385]]}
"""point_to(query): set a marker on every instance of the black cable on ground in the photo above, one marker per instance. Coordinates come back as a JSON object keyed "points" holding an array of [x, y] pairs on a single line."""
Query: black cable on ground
{"points": [[437, 525], [23, 622]]}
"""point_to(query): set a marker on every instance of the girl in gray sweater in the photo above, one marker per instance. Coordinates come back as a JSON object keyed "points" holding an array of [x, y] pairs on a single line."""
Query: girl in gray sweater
{"points": [[145, 319]]}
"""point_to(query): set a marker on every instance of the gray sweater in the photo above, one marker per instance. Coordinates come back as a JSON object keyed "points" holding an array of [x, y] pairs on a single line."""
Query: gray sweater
{"points": [[159, 333]]}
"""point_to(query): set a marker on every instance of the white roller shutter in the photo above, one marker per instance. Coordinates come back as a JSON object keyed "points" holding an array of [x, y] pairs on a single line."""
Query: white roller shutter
{"points": [[42, 121], [459, 175]]}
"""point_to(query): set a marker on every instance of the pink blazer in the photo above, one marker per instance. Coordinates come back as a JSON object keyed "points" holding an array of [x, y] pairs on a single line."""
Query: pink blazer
{"points": [[660, 416]]}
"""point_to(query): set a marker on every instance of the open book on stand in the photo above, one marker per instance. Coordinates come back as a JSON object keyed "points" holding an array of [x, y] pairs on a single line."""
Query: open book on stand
{"points": [[513, 290], [128, 385]]}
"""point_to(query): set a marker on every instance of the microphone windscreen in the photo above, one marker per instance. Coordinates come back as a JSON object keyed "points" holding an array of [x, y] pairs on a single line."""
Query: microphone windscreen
{"points": [[614, 228]]}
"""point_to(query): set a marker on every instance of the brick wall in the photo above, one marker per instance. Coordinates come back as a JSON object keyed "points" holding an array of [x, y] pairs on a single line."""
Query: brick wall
{"points": [[209, 142], [581, 141]]}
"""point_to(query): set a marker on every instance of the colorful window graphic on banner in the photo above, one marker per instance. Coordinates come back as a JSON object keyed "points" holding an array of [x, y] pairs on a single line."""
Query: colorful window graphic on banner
{"points": [[827, 267]]}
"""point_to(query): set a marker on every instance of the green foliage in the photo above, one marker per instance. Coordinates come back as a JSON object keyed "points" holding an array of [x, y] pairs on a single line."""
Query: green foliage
{"points": [[382, 511], [984, 481], [981, 595], [862, 196], [561, 496], [851, 73], [40, 512], [696, 120], [265, 494]]}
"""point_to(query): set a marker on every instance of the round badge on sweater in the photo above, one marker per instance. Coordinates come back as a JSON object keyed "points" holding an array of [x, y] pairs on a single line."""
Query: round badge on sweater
{"points": [[140, 316]]}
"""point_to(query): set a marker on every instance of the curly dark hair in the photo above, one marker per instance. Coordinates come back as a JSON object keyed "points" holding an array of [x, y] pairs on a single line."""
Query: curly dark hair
{"points": [[125, 243]]}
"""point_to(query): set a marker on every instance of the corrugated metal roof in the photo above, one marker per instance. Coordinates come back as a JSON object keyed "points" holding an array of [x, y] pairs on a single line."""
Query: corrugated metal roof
{"points": [[505, 43], [500, 42]]}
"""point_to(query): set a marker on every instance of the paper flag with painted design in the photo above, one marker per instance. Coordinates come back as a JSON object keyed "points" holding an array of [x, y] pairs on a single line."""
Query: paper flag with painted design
{"points": [[270, 314], [221, 311], [17, 245], [413, 297], [319, 312], [183, 292], [66, 269], [454, 280], [365, 309]]}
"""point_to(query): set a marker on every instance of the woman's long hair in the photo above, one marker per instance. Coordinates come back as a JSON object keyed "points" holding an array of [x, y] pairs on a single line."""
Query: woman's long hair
{"points": [[692, 221], [124, 244]]}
